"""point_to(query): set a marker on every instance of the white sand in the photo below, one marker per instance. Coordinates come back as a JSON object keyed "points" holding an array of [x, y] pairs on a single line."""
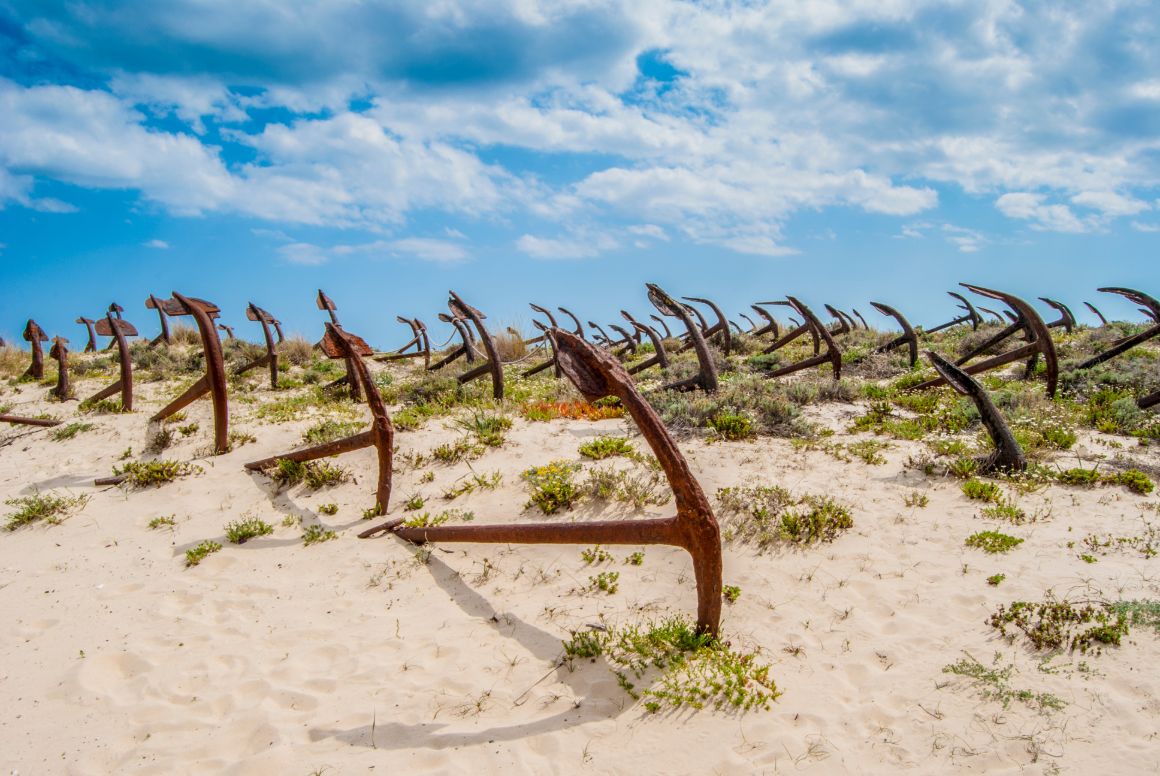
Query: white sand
{"points": [[352, 657]]}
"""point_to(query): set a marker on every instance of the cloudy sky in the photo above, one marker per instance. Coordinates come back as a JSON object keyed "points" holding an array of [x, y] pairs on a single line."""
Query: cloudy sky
{"points": [[566, 152]]}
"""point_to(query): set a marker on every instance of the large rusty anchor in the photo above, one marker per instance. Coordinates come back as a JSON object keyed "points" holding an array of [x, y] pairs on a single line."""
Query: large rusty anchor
{"points": [[1038, 343], [970, 315], [659, 357], [1098, 314], [327, 304], [1008, 455], [797, 331], [270, 359], [1066, 319], [34, 335], [118, 329], [551, 361], [59, 351], [153, 303], [419, 341], [694, 528], [832, 353], [1149, 306], [719, 329], [706, 377], [91, 345], [340, 344], [493, 365], [908, 337], [769, 327], [116, 311], [214, 380]]}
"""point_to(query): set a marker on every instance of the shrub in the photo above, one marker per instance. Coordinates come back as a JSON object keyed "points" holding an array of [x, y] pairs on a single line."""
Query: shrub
{"points": [[1135, 481], [487, 428], [977, 490], [552, 487], [732, 426], [767, 515], [329, 430], [993, 542], [142, 474], [47, 507], [316, 534], [241, 531], [606, 447], [1084, 478], [314, 474], [995, 579], [1054, 625], [61, 433], [731, 593], [201, 552]]}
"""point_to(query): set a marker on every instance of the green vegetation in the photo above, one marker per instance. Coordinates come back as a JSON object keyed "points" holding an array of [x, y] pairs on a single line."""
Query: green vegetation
{"points": [[167, 521], [316, 534], [314, 474], [683, 668], [142, 474], [328, 509], [732, 426], [995, 579], [635, 559], [61, 433], [460, 450], [329, 429], [992, 684], [1135, 481], [769, 515], [606, 582], [916, 499], [201, 552], [731, 593], [552, 487], [978, 490], [605, 447], [993, 542], [241, 531], [42, 507], [1056, 625], [414, 502], [596, 555], [487, 428], [640, 489]]}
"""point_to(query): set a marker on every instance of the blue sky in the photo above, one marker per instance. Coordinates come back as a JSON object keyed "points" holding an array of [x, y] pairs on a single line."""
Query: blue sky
{"points": [[567, 152]]}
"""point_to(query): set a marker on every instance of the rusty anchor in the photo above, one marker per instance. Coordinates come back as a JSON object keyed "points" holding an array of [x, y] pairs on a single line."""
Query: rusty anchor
{"points": [[214, 380], [337, 343], [798, 330], [1149, 306], [118, 329], [1066, 319], [706, 377], [720, 329], [908, 337], [153, 303], [551, 361], [467, 349], [19, 420], [116, 311], [843, 326], [627, 341], [327, 304], [59, 351], [971, 315], [694, 528], [270, 359], [832, 353], [1094, 309], [858, 315], [229, 330], [601, 336], [1038, 342], [34, 335], [579, 330], [769, 327], [493, 365], [994, 314], [418, 340], [91, 345], [1008, 455], [659, 357]]}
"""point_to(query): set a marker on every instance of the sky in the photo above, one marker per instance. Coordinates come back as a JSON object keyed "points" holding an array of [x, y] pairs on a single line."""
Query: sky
{"points": [[566, 153]]}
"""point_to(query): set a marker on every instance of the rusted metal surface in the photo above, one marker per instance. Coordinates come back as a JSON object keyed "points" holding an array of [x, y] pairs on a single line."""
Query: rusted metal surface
{"points": [[325, 303], [858, 315], [1038, 342], [1008, 455], [119, 329], [971, 315], [1149, 401], [770, 326], [91, 345], [34, 335], [270, 358], [694, 528], [1149, 306], [908, 337], [1098, 314], [551, 361], [720, 329], [59, 351], [663, 324], [1066, 319], [993, 313], [18, 420], [627, 341], [493, 364], [418, 341], [798, 330], [214, 380], [706, 377], [659, 357], [116, 311], [832, 353], [601, 336], [229, 330], [152, 303], [337, 343], [579, 330], [843, 325]]}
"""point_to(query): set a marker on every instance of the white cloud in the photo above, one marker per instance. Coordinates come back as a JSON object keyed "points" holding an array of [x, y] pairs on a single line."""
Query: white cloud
{"points": [[1140, 226], [427, 249], [552, 249], [306, 254], [157, 244], [1033, 207], [1110, 203]]}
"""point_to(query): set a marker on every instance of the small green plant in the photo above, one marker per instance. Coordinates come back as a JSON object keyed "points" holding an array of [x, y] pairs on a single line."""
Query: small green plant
{"points": [[167, 521], [414, 502], [605, 447], [142, 474], [201, 552], [488, 429], [594, 555], [241, 531], [732, 426], [1088, 558], [314, 474], [995, 579], [635, 559], [1135, 481], [977, 490], [316, 534], [102, 407], [329, 429], [606, 582], [916, 499], [328, 509], [1006, 511], [42, 507], [189, 429], [992, 684], [426, 520], [552, 487], [731, 593], [427, 477], [767, 515], [963, 467], [461, 450], [869, 451], [993, 542], [1084, 478], [1053, 625], [62, 433]]}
